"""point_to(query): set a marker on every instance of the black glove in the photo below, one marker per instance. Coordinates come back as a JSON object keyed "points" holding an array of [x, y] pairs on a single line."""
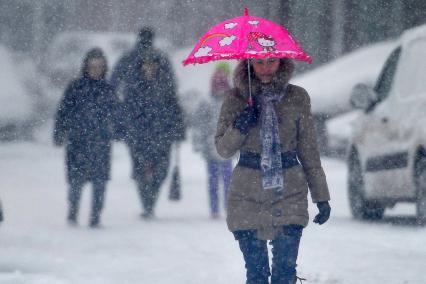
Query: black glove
{"points": [[324, 212], [58, 138], [248, 118]]}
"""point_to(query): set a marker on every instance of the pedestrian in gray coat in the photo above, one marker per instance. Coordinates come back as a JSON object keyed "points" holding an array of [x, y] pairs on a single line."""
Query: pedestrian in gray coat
{"points": [[205, 123]]}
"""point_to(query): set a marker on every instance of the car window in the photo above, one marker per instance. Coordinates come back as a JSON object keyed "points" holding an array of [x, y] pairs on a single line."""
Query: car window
{"points": [[410, 80], [384, 83]]}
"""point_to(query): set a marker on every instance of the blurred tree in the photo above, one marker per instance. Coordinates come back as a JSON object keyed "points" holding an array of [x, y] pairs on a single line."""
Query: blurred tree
{"points": [[311, 25], [16, 17], [414, 13], [369, 21]]}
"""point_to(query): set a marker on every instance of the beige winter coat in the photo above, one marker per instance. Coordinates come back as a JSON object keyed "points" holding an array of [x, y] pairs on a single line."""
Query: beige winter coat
{"points": [[249, 205]]}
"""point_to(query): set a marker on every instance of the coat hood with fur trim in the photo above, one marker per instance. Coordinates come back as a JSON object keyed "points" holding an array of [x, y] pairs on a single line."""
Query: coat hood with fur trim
{"points": [[279, 81]]}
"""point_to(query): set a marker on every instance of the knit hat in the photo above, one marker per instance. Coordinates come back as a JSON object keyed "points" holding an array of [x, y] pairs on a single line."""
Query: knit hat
{"points": [[94, 53], [146, 36], [224, 66]]}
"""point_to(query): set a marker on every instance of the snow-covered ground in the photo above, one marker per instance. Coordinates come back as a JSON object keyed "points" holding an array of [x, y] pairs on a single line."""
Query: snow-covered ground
{"points": [[182, 245]]}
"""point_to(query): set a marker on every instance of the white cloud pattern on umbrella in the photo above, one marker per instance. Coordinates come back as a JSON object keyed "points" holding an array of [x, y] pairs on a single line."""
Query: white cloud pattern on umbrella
{"points": [[229, 26], [227, 40], [253, 23], [203, 51]]}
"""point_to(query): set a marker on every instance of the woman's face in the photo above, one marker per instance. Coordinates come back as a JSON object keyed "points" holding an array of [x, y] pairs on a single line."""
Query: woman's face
{"points": [[265, 69], [96, 68]]}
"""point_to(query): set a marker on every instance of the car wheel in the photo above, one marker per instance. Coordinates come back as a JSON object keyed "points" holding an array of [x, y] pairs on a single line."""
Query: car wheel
{"points": [[361, 208], [421, 190]]}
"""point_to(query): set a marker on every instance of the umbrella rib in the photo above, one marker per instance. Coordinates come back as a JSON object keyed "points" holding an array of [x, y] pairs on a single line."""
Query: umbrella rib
{"points": [[249, 79]]}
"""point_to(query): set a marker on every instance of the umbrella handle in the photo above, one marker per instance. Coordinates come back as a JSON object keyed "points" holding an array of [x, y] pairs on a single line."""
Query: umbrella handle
{"points": [[250, 100]]}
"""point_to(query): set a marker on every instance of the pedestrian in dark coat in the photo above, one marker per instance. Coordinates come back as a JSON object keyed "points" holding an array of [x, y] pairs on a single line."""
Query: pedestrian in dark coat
{"points": [[84, 123], [278, 163], [126, 71], [153, 119]]}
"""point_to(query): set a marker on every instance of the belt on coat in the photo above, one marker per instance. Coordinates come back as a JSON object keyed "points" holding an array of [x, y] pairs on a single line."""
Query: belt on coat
{"points": [[252, 160]]}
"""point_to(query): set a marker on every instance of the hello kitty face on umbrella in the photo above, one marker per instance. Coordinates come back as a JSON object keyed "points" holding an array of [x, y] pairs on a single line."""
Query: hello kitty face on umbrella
{"points": [[265, 41]]}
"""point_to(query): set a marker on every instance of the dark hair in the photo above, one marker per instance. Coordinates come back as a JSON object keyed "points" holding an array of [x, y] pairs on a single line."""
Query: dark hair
{"points": [[94, 53], [284, 73]]}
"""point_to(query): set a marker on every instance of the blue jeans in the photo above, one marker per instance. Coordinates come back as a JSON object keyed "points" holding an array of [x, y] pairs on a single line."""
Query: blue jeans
{"points": [[285, 248], [218, 169]]}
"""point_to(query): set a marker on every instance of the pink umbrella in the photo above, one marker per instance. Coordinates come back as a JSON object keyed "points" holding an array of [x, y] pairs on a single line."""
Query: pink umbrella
{"points": [[246, 37]]}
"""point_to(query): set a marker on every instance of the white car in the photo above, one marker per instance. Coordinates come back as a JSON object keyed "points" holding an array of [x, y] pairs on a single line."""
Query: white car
{"points": [[387, 155], [330, 85], [339, 133]]}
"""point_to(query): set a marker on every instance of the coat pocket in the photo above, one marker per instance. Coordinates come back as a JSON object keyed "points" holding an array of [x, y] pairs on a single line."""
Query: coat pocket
{"points": [[245, 184], [295, 183]]}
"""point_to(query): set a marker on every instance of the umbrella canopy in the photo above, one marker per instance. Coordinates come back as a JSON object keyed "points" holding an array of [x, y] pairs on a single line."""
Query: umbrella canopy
{"points": [[246, 37]]}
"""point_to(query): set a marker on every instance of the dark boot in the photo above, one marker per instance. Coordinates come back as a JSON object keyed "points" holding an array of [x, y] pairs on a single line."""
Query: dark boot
{"points": [[94, 222], [74, 195], [150, 191], [97, 202], [72, 219], [148, 195]]}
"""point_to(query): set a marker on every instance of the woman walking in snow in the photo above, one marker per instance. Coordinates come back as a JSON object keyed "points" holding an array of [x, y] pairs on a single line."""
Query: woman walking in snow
{"points": [[278, 163], [84, 123]]}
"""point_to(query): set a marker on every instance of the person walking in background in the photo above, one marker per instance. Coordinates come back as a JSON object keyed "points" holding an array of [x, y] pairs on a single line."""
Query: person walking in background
{"points": [[84, 123], [205, 123], [278, 162], [153, 118]]}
